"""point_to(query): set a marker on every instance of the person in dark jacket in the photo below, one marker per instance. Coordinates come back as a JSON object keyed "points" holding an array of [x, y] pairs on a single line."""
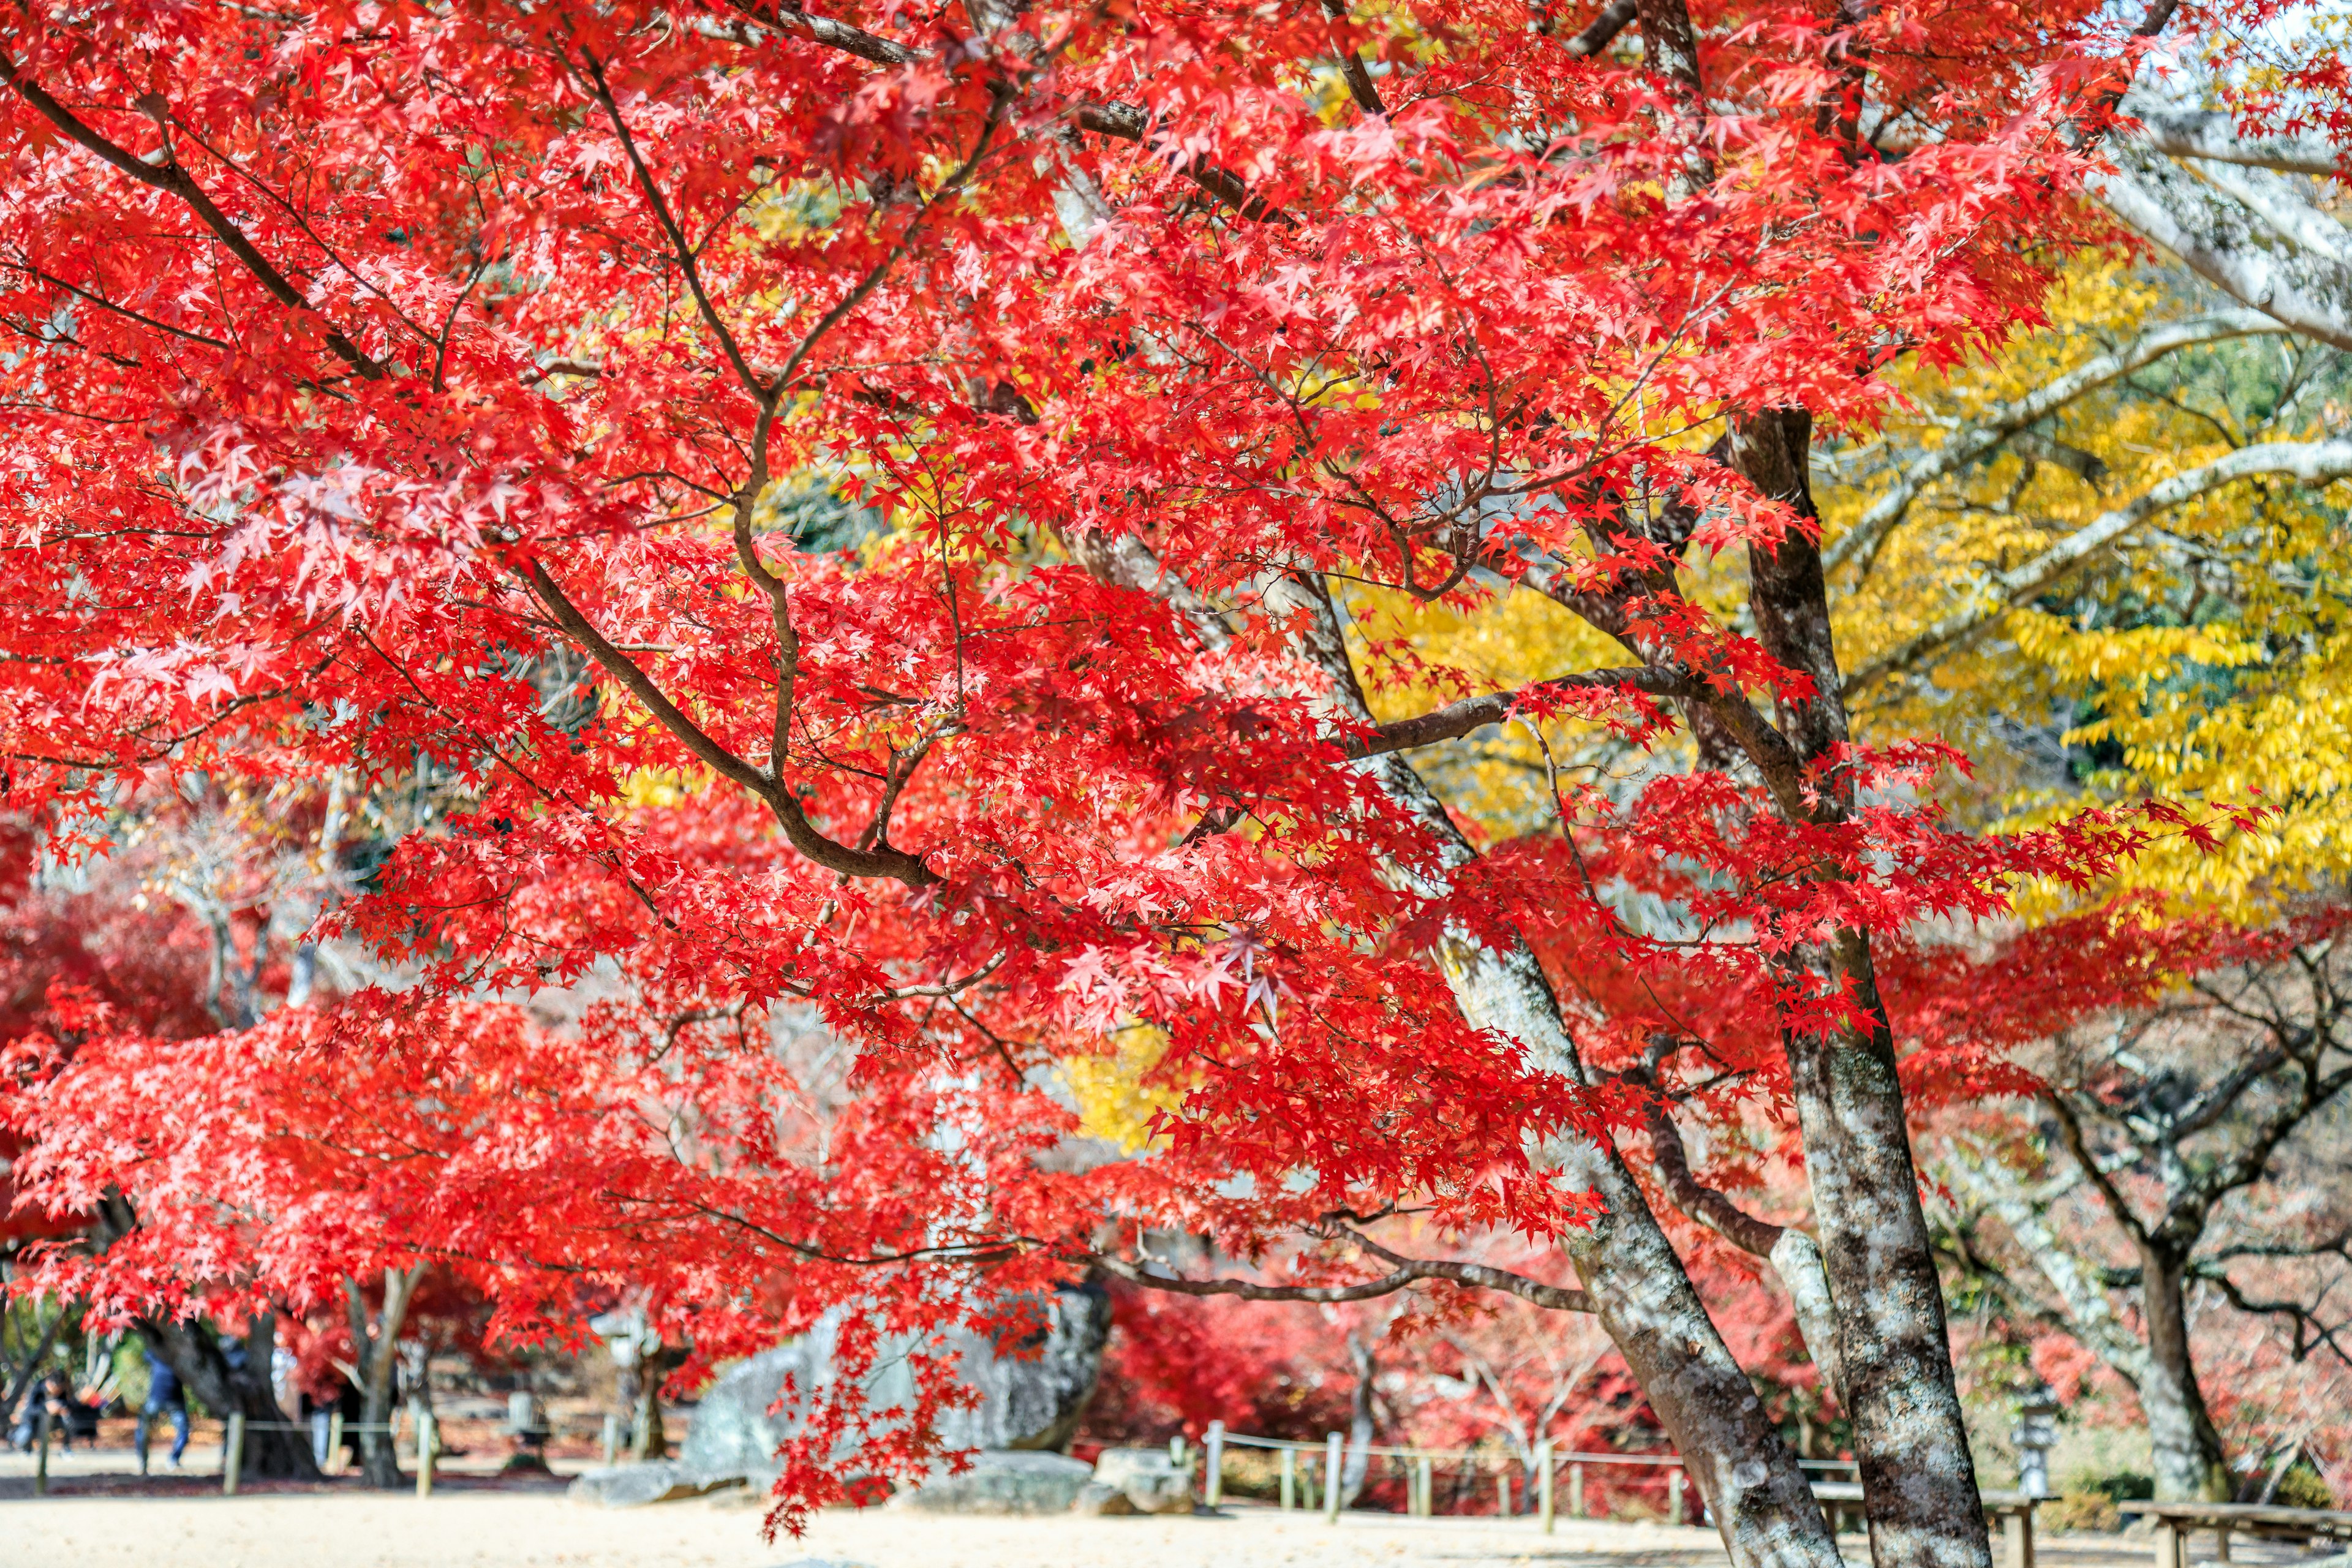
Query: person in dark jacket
{"points": [[164, 1394], [67, 1415]]}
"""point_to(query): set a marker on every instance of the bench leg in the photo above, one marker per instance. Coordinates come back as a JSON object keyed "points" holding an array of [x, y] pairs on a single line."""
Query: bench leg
{"points": [[2017, 1539]]}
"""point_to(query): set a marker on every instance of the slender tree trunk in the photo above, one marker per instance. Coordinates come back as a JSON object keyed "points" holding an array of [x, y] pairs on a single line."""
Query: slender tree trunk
{"points": [[378, 1358], [2191, 1465], [1894, 1354], [648, 1440], [1360, 1424]]}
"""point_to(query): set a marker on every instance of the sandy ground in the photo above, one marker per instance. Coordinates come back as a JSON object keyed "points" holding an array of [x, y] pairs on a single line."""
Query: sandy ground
{"points": [[96, 1516]]}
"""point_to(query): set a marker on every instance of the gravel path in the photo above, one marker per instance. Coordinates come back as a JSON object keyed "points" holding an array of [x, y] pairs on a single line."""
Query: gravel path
{"points": [[96, 1517]]}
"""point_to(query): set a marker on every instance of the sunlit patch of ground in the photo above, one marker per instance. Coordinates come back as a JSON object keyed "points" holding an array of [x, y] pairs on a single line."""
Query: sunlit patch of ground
{"points": [[99, 1515]]}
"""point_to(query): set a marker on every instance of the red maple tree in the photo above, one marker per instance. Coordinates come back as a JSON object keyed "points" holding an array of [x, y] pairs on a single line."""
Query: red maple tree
{"points": [[849, 507]]}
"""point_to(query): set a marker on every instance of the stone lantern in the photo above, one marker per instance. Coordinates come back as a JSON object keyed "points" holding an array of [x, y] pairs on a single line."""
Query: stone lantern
{"points": [[2035, 1433]]}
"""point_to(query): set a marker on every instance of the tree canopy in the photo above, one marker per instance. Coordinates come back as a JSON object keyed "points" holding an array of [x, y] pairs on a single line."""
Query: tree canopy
{"points": [[924, 515]]}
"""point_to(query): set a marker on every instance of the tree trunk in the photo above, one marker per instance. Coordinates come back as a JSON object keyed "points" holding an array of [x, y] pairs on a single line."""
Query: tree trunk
{"points": [[1732, 1449], [2190, 1463], [1358, 1462], [647, 1439], [1762, 1503], [194, 1350], [1894, 1354], [1894, 1358], [378, 1356]]}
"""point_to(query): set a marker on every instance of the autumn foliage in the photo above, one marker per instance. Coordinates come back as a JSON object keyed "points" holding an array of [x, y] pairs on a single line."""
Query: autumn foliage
{"points": [[844, 509]]}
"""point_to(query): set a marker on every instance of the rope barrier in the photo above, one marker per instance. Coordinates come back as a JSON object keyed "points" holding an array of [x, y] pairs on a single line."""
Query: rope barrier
{"points": [[1458, 1455], [1543, 1467]]}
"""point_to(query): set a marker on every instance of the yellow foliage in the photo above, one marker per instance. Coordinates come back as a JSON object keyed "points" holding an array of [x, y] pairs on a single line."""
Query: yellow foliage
{"points": [[2201, 660], [1115, 1102], [2205, 659]]}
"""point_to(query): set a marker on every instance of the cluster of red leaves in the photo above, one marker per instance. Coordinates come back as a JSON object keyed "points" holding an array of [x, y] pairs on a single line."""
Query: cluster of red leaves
{"points": [[350, 350]]}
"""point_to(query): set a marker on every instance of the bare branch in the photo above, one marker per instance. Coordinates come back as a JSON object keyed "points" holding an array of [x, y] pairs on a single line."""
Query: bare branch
{"points": [[1984, 435], [2208, 133], [1406, 1271], [884, 861], [1457, 720]]}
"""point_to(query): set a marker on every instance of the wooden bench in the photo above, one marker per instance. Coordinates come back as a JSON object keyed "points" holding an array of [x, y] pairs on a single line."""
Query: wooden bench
{"points": [[2175, 1522], [2014, 1509]]}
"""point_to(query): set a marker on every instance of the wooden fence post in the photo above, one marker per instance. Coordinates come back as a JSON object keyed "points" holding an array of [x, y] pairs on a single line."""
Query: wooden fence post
{"points": [[1289, 1478], [1332, 1489], [428, 1446], [1675, 1497], [612, 1440], [1543, 1483], [1575, 1491], [1213, 1466], [333, 1463], [1503, 1493], [41, 1464], [232, 1452], [1425, 1479]]}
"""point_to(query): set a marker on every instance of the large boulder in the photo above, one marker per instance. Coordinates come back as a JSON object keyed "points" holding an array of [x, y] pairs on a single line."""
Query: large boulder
{"points": [[1149, 1480], [1032, 1403], [732, 1433], [1003, 1480]]}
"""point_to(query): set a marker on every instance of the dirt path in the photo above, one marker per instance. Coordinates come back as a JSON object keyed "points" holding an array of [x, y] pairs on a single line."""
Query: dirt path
{"points": [[96, 1517]]}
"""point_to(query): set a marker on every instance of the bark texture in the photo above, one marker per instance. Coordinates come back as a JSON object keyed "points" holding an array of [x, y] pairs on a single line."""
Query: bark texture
{"points": [[2190, 1462], [1918, 1480]]}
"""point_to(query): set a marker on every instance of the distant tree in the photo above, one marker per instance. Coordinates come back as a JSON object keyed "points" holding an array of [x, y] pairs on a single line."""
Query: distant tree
{"points": [[2197, 1147]]}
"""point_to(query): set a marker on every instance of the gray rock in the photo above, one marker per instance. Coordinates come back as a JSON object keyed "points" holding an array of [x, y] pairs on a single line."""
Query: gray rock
{"points": [[635, 1486], [1102, 1501], [1147, 1478], [1003, 1480], [1032, 1404], [732, 1432]]}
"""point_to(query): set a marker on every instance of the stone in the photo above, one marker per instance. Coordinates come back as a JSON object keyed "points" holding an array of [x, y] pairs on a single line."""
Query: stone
{"points": [[1033, 1402], [1001, 1482], [637, 1486], [732, 1433], [1148, 1477], [1024, 1404], [1102, 1501]]}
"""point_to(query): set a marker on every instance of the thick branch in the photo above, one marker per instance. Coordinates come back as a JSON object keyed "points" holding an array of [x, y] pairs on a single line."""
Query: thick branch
{"points": [[1351, 63], [1603, 30], [1457, 720], [1702, 1202], [171, 178], [2208, 133], [2236, 265]]}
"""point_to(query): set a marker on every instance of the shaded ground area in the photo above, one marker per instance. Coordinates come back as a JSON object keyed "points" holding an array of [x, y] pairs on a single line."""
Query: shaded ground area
{"points": [[96, 1516]]}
